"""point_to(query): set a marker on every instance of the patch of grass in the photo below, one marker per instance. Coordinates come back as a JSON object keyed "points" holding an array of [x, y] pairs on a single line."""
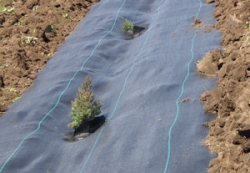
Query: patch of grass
{"points": [[127, 25]]}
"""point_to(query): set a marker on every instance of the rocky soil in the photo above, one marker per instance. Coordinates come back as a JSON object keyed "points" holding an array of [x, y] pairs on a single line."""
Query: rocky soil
{"points": [[30, 33], [230, 100]]}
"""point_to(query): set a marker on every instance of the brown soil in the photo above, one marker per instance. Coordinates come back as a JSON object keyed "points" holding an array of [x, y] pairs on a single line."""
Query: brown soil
{"points": [[30, 33], [230, 100]]}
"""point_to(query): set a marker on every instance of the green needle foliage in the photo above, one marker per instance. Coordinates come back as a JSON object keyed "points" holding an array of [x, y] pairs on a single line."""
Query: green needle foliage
{"points": [[127, 25], [84, 107]]}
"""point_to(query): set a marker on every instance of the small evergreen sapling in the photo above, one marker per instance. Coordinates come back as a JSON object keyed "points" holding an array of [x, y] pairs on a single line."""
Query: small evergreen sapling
{"points": [[84, 107], [127, 25]]}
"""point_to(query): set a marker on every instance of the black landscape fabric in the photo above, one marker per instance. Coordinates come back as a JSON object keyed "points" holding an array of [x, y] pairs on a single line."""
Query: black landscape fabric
{"points": [[142, 84]]}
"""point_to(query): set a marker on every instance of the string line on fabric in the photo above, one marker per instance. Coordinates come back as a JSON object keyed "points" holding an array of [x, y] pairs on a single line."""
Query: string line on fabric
{"points": [[182, 91], [123, 88], [59, 98]]}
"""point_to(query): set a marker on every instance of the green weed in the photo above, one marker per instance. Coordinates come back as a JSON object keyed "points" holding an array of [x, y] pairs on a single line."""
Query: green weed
{"points": [[53, 29], [15, 99], [4, 9], [10, 90], [3, 103], [35, 8], [66, 16], [4, 66], [247, 39], [29, 40], [20, 23], [247, 24]]}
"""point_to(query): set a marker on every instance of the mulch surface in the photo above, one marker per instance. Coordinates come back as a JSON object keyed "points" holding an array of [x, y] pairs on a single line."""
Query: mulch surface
{"points": [[30, 33], [230, 100]]}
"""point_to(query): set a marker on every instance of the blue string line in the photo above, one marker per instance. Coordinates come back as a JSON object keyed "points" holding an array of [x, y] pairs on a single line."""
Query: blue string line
{"points": [[182, 91], [123, 88], [59, 98]]}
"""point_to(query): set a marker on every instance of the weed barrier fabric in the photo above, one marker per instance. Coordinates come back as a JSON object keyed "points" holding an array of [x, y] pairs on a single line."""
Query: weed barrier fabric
{"points": [[139, 82]]}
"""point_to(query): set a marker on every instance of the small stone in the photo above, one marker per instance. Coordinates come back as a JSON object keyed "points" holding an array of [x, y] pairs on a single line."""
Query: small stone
{"points": [[185, 100]]}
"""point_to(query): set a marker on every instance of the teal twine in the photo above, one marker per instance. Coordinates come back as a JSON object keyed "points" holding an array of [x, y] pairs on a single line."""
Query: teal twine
{"points": [[182, 91], [123, 88]]}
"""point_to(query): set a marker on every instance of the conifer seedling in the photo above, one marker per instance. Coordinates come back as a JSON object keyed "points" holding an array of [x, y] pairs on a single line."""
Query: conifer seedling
{"points": [[127, 25], [84, 107]]}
